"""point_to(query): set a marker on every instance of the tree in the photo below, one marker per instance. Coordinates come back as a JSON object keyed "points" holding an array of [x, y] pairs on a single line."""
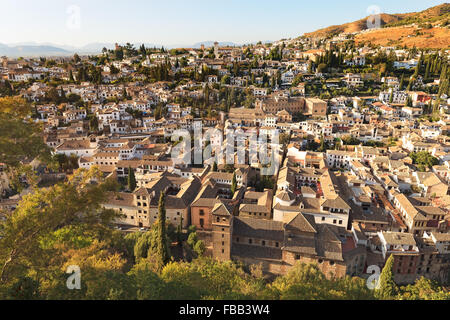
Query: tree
{"points": [[402, 82], [424, 289], [423, 160], [225, 79], [321, 68], [143, 245], [71, 79], [310, 66], [199, 247], [410, 83], [409, 102], [233, 184], [76, 58], [162, 250], [20, 139], [119, 53], [323, 145], [93, 124], [113, 69], [131, 179], [307, 282], [427, 71], [192, 239], [350, 141], [387, 289], [33, 235]]}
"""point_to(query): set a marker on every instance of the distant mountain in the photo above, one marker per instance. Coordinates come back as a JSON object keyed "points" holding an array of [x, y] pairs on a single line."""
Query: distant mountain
{"points": [[400, 29], [31, 51]]}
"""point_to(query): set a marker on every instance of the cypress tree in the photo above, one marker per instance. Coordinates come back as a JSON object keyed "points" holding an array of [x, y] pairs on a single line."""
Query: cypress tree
{"points": [[162, 250], [234, 184], [419, 65], [402, 81], [427, 70], [408, 88], [387, 289], [180, 232], [131, 179]]}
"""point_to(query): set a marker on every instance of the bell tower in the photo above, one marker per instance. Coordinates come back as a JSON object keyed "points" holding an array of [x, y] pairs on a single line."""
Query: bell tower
{"points": [[222, 230], [216, 49]]}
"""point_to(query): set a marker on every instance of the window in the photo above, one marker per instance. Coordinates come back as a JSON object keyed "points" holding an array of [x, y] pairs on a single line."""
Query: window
{"points": [[202, 212], [250, 241], [237, 239], [297, 257], [263, 243], [320, 261], [331, 263], [323, 218]]}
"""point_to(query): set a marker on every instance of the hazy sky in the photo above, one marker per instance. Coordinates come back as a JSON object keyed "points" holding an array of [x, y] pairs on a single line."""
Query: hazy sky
{"points": [[79, 22]]}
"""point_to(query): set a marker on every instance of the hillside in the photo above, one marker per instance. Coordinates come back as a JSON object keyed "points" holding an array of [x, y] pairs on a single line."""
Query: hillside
{"points": [[351, 27], [436, 37], [425, 29]]}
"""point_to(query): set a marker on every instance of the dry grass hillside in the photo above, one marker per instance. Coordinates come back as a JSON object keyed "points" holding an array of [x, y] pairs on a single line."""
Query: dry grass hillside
{"points": [[351, 27], [425, 29], [436, 38]]}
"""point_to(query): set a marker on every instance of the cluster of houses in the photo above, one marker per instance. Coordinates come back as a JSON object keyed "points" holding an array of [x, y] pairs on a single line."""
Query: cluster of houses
{"points": [[345, 208]]}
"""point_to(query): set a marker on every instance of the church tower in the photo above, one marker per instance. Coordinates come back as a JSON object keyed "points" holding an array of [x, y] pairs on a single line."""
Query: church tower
{"points": [[222, 230], [216, 49]]}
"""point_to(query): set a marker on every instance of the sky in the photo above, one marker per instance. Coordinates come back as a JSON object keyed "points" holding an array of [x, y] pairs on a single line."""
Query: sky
{"points": [[180, 22]]}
